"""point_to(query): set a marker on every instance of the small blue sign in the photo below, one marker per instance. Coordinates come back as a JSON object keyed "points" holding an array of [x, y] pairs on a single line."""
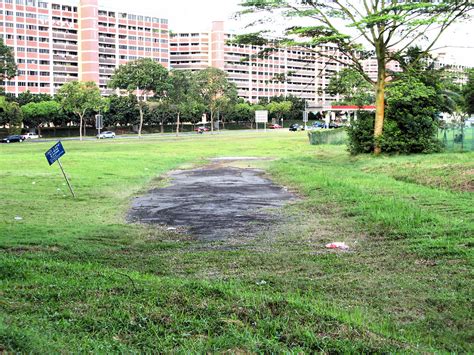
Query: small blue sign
{"points": [[56, 152]]}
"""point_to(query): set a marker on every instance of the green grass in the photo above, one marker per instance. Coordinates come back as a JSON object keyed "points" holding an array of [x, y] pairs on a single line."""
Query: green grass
{"points": [[74, 277]]}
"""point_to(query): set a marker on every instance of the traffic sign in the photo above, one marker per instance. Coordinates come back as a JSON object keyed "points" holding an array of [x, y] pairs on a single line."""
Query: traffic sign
{"points": [[261, 116], [99, 121], [54, 153]]}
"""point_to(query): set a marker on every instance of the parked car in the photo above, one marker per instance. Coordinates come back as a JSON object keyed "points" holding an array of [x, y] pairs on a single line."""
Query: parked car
{"points": [[29, 135], [106, 134], [274, 126], [317, 125], [201, 129], [296, 127], [12, 139]]}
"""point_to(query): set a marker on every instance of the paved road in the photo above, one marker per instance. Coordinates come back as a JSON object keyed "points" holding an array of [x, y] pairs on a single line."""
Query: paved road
{"points": [[164, 135]]}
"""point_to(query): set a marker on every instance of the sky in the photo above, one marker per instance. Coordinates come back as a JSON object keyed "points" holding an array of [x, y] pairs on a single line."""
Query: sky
{"points": [[197, 15]]}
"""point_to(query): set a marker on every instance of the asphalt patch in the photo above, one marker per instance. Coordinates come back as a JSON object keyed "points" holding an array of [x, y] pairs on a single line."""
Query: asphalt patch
{"points": [[214, 203]]}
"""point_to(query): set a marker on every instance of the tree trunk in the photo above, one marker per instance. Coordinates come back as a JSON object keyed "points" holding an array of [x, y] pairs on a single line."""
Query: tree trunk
{"points": [[212, 122], [162, 129], [177, 125], [140, 108], [379, 105], [39, 130], [80, 127]]}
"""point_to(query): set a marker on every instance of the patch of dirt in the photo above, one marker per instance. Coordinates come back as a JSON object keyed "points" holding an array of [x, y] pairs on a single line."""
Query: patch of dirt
{"points": [[214, 202]]}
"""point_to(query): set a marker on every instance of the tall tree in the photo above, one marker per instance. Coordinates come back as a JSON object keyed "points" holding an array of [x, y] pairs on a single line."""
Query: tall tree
{"points": [[468, 92], [388, 27], [213, 87], [35, 114], [182, 94], [11, 115], [143, 78], [279, 109], [7, 63], [80, 98]]}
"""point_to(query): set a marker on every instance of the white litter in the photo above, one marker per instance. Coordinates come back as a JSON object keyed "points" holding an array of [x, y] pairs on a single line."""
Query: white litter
{"points": [[261, 282], [337, 245], [18, 218], [171, 229], [34, 182]]}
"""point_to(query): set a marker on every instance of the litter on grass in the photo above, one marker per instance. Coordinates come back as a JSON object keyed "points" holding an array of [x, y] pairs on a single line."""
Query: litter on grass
{"points": [[337, 245]]}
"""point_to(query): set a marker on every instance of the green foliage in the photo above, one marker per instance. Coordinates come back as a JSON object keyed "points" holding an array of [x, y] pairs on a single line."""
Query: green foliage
{"points": [[122, 110], [279, 109], [360, 133], [80, 98], [469, 93], [353, 88], [26, 97], [11, 115], [144, 74], [7, 63], [38, 113]]}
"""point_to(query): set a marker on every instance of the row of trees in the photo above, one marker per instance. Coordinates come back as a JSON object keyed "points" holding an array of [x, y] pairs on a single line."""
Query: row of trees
{"points": [[147, 94]]}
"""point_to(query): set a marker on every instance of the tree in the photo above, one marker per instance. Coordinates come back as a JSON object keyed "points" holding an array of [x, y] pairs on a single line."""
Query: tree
{"points": [[352, 86], [122, 110], [387, 27], [415, 99], [278, 109], [182, 95], [36, 114], [468, 92], [213, 88], [7, 63], [26, 97], [11, 115], [143, 78], [80, 98]]}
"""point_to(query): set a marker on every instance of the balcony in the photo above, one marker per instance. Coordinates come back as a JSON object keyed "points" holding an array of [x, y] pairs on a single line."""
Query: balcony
{"points": [[107, 50], [107, 40]]}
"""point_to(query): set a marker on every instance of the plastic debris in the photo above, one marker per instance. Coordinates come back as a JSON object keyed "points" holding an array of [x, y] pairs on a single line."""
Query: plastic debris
{"points": [[171, 229], [34, 182], [337, 245], [261, 282], [18, 218]]}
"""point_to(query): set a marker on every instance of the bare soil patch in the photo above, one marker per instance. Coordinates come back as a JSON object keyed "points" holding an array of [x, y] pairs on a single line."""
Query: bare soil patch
{"points": [[215, 202]]}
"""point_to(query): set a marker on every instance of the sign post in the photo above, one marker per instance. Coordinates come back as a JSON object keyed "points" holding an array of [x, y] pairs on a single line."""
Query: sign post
{"points": [[99, 122], [53, 155], [261, 117]]}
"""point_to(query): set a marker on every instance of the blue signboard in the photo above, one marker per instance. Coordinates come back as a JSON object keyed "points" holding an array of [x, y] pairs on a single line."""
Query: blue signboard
{"points": [[56, 152]]}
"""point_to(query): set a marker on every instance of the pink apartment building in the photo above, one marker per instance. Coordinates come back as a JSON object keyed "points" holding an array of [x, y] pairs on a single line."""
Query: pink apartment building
{"points": [[56, 42], [305, 74]]}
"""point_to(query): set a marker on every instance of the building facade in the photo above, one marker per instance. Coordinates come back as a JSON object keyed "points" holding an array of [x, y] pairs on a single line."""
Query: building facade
{"points": [[292, 71], [56, 42]]}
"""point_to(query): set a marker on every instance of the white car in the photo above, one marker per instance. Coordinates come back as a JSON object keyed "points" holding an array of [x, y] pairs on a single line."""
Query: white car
{"points": [[30, 135], [106, 134]]}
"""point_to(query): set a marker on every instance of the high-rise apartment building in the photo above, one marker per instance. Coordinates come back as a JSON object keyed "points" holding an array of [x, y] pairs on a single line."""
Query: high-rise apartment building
{"points": [[56, 42], [292, 71]]}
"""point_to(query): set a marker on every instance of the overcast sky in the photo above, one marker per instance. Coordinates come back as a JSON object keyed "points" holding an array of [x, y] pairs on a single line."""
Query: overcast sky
{"points": [[197, 15]]}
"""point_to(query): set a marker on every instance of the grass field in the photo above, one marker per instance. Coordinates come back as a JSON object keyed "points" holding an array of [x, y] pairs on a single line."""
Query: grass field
{"points": [[74, 277]]}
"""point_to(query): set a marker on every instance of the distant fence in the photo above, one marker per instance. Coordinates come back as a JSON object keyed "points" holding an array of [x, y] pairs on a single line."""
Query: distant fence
{"points": [[328, 136], [457, 139]]}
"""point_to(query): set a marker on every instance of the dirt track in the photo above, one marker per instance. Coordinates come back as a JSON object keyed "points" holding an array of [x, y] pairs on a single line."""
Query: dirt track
{"points": [[213, 203]]}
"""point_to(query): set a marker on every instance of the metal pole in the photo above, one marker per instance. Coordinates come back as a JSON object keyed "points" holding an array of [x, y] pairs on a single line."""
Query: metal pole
{"points": [[67, 180]]}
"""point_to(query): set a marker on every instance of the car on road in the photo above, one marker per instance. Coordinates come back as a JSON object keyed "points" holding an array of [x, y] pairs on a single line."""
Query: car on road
{"points": [[274, 126], [106, 134], [201, 129], [29, 135], [317, 125], [12, 139], [296, 127]]}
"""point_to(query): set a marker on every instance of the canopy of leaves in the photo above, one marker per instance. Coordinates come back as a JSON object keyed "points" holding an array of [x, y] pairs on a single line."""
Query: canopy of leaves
{"points": [[469, 93], [144, 74], [121, 110], [352, 87], [7, 62], [80, 97], [38, 113]]}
